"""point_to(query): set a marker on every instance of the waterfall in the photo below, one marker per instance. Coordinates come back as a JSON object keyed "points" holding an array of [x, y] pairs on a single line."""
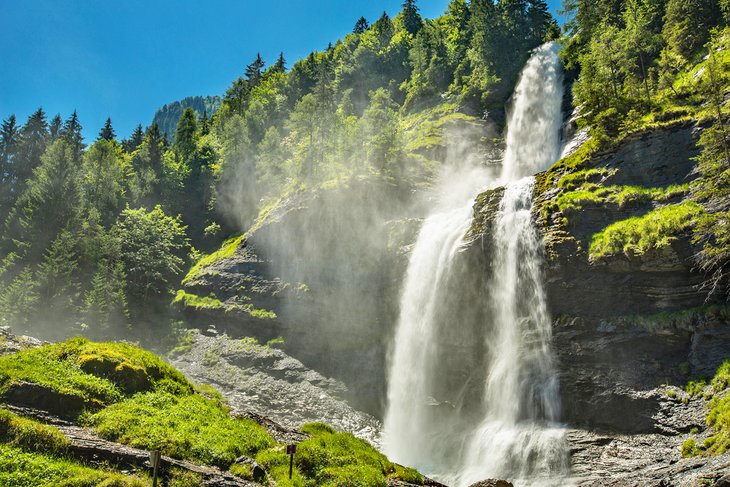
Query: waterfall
{"points": [[470, 402]]}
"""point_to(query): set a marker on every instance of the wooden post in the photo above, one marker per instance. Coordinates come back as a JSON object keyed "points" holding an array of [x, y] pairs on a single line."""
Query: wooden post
{"points": [[155, 461], [291, 450]]}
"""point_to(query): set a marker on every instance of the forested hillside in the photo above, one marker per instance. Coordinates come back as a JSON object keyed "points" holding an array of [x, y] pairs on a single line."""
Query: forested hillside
{"points": [[97, 234]]}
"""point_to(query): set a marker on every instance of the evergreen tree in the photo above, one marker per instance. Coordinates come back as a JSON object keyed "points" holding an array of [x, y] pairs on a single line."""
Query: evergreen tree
{"points": [[55, 127], [72, 133], [135, 139], [186, 135], [538, 20], [360, 26], [687, 25], [280, 64], [253, 71], [103, 178], [411, 18], [107, 131], [204, 124], [384, 30], [9, 140], [33, 139], [52, 199]]}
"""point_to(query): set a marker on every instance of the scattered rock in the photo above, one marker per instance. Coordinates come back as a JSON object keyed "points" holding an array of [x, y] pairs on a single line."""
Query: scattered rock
{"points": [[492, 483]]}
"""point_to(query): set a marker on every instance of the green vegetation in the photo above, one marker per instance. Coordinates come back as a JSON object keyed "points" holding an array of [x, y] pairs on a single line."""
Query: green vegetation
{"points": [[141, 401], [623, 196], [331, 459], [189, 427], [199, 302], [718, 418], [652, 231], [97, 374], [19, 469], [32, 453], [228, 249]]}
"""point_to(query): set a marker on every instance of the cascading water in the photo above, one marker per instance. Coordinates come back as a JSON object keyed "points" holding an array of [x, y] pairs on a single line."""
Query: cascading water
{"points": [[434, 420]]}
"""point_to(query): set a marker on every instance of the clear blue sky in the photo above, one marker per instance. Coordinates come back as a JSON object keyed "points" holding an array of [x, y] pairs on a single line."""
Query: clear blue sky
{"points": [[124, 59]]}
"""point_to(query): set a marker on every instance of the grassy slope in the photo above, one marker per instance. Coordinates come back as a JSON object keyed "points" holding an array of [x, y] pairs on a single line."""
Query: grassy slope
{"points": [[136, 398]]}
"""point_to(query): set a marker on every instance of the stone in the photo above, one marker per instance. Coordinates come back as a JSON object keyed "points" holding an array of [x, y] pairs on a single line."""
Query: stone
{"points": [[492, 483]]}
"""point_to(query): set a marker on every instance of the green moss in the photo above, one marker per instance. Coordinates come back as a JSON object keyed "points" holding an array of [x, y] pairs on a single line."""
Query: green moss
{"points": [[334, 459], [189, 427], [20, 469], [591, 194], [199, 302], [41, 366], [98, 374], [228, 249], [637, 235], [690, 448], [718, 417]]}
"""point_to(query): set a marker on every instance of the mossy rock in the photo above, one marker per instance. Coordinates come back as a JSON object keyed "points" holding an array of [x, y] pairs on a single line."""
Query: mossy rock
{"points": [[128, 377]]}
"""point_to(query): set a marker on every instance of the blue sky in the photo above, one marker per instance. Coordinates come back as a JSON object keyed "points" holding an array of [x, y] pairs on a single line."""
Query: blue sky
{"points": [[124, 59]]}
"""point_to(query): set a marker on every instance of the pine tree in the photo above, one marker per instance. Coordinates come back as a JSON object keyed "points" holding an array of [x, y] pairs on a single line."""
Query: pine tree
{"points": [[72, 133], [538, 20], [204, 124], [107, 131], [52, 199], [384, 30], [280, 64], [134, 140], [186, 135], [9, 139], [411, 18], [54, 128], [360, 26], [253, 71], [33, 140]]}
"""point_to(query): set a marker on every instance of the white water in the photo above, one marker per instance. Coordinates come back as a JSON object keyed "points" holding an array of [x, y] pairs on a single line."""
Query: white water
{"points": [[464, 416]]}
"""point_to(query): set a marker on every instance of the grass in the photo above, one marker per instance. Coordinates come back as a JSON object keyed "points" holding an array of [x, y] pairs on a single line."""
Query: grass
{"points": [[20, 469], [637, 235], [213, 303], [594, 194], [228, 249], [332, 459], [30, 435], [199, 302], [190, 427], [718, 417]]}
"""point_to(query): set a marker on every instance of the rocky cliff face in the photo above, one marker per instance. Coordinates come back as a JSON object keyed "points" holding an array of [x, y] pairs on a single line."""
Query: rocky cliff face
{"points": [[629, 325]]}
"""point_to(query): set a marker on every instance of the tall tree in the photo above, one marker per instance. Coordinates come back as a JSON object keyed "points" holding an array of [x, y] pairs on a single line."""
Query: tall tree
{"points": [[280, 64], [9, 135], [687, 25], [103, 177], [52, 199], [411, 18], [55, 127], [33, 141], [186, 135], [639, 39], [107, 131], [360, 26], [72, 133], [134, 140], [253, 71]]}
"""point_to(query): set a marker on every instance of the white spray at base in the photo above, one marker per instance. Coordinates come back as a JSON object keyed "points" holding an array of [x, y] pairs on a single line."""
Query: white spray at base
{"points": [[511, 432]]}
